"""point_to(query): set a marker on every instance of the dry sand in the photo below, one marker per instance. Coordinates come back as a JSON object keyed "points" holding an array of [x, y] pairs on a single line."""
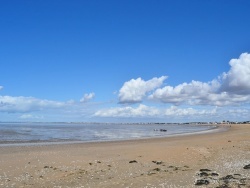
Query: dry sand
{"points": [[163, 162]]}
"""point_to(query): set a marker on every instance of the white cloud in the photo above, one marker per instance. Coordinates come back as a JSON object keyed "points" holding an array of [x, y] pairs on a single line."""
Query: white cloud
{"points": [[176, 114], [15, 108], [26, 116], [237, 79], [186, 92], [140, 111], [135, 90], [30, 116], [26, 104], [232, 88], [87, 97], [147, 111], [175, 111]]}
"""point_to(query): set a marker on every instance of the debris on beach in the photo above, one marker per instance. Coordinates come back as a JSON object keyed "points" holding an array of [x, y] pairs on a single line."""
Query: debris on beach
{"points": [[133, 161], [202, 182], [157, 169], [205, 170], [247, 166], [157, 162], [211, 177]]}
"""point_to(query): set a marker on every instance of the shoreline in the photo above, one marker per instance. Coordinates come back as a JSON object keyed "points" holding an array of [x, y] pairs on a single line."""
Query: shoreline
{"points": [[156, 162], [213, 128]]}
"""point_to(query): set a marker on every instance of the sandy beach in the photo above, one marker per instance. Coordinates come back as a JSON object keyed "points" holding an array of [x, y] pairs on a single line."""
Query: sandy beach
{"points": [[216, 159]]}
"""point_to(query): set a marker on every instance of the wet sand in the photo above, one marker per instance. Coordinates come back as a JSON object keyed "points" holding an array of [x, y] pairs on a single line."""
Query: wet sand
{"points": [[215, 159]]}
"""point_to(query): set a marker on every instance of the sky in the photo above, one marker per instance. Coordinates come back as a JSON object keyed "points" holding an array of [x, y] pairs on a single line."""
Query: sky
{"points": [[124, 61]]}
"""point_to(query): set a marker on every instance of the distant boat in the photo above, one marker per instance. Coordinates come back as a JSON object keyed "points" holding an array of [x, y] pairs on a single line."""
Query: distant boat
{"points": [[162, 130]]}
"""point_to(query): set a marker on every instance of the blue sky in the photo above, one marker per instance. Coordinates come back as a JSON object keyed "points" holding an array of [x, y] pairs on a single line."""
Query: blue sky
{"points": [[124, 61]]}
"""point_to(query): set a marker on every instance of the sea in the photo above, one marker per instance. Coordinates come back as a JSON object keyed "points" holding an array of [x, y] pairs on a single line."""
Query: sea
{"points": [[49, 133]]}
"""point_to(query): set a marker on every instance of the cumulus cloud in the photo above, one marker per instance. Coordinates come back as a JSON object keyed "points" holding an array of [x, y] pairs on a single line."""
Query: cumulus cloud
{"points": [[186, 92], [147, 111], [87, 97], [231, 88], [135, 90], [26, 104], [237, 79], [1, 87]]}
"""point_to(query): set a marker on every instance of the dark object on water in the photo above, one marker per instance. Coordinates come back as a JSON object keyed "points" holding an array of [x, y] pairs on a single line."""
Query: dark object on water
{"points": [[162, 130]]}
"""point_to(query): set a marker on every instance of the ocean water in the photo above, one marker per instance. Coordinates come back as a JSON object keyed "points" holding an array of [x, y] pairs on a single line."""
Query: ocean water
{"points": [[14, 133]]}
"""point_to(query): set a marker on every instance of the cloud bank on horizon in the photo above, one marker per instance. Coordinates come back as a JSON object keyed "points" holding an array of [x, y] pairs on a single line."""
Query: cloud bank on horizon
{"points": [[196, 99]]}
